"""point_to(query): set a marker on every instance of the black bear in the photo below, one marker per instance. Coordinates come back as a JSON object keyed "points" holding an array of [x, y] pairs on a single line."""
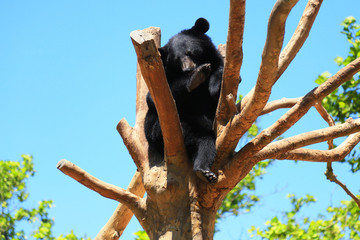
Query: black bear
{"points": [[194, 69]]}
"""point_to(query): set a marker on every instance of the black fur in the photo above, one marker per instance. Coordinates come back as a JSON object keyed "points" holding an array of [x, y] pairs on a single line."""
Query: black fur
{"points": [[181, 56]]}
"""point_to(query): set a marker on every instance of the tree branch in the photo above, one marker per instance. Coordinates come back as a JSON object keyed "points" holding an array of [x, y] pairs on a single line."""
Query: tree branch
{"points": [[329, 170], [310, 155], [134, 145], [107, 190], [233, 61], [154, 75], [331, 176], [141, 88], [326, 116], [277, 104], [117, 223], [300, 35], [305, 139], [238, 126]]}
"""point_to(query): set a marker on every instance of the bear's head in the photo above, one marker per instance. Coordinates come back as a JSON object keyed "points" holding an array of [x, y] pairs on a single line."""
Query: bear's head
{"points": [[188, 49]]}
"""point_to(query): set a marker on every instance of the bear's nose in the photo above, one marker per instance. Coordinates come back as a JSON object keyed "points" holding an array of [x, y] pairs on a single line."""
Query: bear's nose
{"points": [[187, 64]]}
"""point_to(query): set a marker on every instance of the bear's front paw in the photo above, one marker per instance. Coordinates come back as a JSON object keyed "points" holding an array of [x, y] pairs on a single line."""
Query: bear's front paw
{"points": [[199, 76], [207, 175]]}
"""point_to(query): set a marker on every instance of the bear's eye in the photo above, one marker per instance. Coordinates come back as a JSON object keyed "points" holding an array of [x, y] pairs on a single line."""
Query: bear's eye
{"points": [[188, 53]]}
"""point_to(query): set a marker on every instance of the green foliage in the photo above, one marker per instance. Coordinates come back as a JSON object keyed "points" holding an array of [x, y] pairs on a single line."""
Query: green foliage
{"points": [[343, 222], [141, 235], [345, 102], [242, 197], [13, 195]]}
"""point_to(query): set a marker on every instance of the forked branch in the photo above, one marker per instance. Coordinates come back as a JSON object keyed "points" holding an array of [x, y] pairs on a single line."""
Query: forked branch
{"points": [[135, 147], [238, 126], [331, 176]]}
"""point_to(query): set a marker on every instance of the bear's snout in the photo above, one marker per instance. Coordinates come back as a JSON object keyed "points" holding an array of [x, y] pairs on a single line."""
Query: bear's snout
{"points": [[187, 64]]}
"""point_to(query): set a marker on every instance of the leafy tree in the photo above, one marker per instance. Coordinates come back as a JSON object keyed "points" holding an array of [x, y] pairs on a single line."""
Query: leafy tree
{"points": [[13, 195], [341, 222]]}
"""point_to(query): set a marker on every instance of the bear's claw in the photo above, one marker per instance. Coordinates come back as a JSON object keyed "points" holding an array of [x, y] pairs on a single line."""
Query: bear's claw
{"points": [[207, 176]]}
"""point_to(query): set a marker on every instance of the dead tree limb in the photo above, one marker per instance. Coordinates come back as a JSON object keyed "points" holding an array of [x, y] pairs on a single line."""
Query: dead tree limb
{"points": [[305, 139], [117, 223], [300, 35], [311, 155], [273, 105], [153, 73], [135, 147], [278, 104], [233, 61], [107, 190]]}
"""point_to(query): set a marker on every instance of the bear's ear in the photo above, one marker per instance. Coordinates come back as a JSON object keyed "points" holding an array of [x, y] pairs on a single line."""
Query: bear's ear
{"points": [[163, 53], [201, 25]]}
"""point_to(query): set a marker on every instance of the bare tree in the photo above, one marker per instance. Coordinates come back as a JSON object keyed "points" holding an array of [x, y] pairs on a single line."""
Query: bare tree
{"points": [[179, 205]]}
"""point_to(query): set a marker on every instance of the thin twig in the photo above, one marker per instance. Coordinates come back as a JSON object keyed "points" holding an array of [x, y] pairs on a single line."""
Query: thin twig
{"points": [[326, 116], [331, 176]]}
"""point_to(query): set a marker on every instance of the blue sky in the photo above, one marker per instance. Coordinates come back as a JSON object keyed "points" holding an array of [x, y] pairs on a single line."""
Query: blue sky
{"points": [[67, 76]]}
